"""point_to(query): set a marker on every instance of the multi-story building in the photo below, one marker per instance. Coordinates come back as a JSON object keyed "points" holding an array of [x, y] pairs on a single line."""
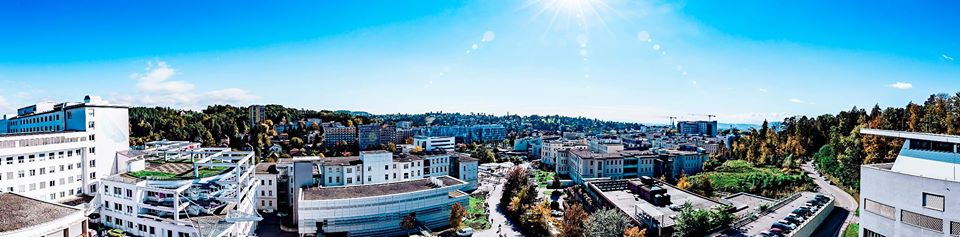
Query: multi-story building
{"points": [[56, 151], [465, 168], [334, 132], [917, 194], [378, 209], [191, 192], [701, 128], [372, 136], [257, 114], [25, 216], [434, 143], [466, 134], [267, 189], [605, 144], [404, 124], [372, 192], [583, 165], [486, 133], [403, 134], [550, 152]]}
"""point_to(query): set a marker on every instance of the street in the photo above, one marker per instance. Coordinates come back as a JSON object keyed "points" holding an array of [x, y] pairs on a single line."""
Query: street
{"points": [[498, 217], [842, 216]]}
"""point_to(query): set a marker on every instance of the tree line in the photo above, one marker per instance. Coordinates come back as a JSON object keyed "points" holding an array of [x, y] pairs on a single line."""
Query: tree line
{"points": [[834, 142]]}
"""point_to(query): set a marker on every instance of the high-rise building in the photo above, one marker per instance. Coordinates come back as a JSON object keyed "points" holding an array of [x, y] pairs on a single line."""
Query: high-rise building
{"points": [[368, 136], [917, 194], [257, 114], [334, 132], [701, 128], [56, 151]]}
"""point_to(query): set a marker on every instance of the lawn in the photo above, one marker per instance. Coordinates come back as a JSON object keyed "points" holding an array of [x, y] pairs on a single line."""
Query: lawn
{"points": [[477, 217], [543, 178], [852, 230], [203, 173], [741, 176]]}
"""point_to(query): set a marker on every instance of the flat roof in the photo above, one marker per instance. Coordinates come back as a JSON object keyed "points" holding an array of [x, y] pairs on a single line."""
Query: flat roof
{"points": [[20, 212], [266, 168], [912, 135], [37, 133], [629, 202], [373, 190]]}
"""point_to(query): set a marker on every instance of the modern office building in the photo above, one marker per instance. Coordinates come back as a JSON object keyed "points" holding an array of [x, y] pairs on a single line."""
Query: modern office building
{"points": [[372, 136], [257, 114], [917, 194], [466, 134], [700, 128], [25, 216], [434, 143], [181, 192], [334, 132], [582, 164], [486, 133], [54, 151]]}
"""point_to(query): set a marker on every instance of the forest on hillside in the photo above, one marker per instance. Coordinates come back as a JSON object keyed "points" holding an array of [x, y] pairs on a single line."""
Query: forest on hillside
{"points": [[834, 142]]}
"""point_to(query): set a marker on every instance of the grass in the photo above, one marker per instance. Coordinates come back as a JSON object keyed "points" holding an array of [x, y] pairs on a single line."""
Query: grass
{"points": [[543, 178], [477, 217], [741, 176], [202, 173], [852, 230]]}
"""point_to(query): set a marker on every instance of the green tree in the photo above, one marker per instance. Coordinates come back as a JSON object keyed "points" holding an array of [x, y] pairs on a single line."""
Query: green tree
{"points": [[607, 223]]}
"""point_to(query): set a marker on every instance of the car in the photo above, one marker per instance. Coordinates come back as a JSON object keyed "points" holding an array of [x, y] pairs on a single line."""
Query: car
{"points": [[776, 231], [556, 213], [801, 211], [675, 207], [788, 224], [793, 220], [467, 231], [781, 226], [116, 233]]}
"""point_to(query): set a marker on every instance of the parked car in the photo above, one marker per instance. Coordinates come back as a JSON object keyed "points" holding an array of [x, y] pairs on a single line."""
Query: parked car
{"points": [[781, 226], [801, 211], [788, 224], [793, 220], [116, 233], [465, 232]]}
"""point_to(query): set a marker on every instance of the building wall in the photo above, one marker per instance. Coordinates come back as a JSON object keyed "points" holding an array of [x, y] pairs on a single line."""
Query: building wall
{"points": [[904, 192], [267, 192], [378, 216]]}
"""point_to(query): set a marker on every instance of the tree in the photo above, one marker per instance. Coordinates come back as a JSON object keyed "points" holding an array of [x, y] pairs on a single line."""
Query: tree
{"points": [[537, 220], [456, 215], [296, 142], [699, 222], [607, 223], [409, 221], [572, 224], [635, 232]]}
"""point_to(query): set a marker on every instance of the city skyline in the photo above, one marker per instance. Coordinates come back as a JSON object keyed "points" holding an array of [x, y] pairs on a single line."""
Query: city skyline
{"points": [[613, 60]]}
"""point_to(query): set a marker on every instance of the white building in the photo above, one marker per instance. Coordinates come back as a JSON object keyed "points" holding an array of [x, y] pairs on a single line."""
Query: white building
{"points": [[192, 192], [27, 217], [378, 209], [550, 153], [54, 151], [605, 144], [583, 165], [916, 195], [266, 174], [465, 168], [434, 143]]}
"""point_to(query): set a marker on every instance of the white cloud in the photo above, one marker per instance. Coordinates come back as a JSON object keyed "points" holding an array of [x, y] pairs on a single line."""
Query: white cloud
{"points": [[946, 57], [752, 117], [797, 101], [156, 89], [901, 85], [764, 90], [488, 36]]}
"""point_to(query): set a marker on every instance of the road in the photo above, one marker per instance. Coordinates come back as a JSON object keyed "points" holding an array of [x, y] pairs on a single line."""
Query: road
{"points": [[846, 203], [508, 228]]}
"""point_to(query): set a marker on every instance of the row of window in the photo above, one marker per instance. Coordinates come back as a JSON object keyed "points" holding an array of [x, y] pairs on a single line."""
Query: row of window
{"points": [[36, 119], [43, 171], [916, 144], [41, 156], [116, 222], [42, 141]]}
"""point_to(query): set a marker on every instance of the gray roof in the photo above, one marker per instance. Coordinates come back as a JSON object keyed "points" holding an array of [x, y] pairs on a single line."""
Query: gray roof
{"points": [[266, 168], [373, 190], [21, 212], [912, 135]]}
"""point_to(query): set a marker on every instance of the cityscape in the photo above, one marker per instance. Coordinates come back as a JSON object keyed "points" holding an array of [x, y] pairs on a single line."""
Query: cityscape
{"points": [[566, 118]]}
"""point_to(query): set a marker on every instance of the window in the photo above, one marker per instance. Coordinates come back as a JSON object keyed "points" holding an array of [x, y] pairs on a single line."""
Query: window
{"points": [[933, 201], [922, 221]]}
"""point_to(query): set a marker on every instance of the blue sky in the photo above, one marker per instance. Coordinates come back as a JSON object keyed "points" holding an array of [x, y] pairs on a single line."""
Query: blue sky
{"points": [[744, 61]]}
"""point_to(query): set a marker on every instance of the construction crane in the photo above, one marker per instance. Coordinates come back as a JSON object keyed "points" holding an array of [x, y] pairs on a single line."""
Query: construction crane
{"points": [[672, 123], [709, 116]]}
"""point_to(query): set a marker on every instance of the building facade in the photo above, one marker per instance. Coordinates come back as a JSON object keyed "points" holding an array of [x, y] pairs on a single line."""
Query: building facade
{"points": [[334, 132], [434, 143], [701, 128], [465, 168], [916, 195], [53, 152], [257, 114]]}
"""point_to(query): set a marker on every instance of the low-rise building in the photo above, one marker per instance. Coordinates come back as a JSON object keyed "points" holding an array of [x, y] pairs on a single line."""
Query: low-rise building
{"points": [[266, 174], [465, 168]]}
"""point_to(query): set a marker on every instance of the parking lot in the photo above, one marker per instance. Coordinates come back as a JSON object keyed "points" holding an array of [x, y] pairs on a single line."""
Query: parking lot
{"points": [[764, 222]]}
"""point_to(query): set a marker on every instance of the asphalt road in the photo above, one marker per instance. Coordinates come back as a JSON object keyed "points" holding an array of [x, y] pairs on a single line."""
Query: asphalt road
{"points": [[841, 216], [500, 225]]}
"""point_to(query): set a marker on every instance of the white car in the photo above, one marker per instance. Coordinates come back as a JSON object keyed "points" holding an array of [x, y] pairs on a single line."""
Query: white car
{"points": [[465, 232]]}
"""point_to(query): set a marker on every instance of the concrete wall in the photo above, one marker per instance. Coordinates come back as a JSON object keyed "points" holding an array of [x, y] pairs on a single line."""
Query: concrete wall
{"points": [[905, 192], [807, 228]]}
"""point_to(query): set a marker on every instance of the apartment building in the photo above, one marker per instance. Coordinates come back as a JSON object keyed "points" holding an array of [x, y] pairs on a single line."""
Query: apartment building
{"points": [[181, 192], [334, 132], [583, 165], [267, 191], [701, 128], [550, 154], [917, 194], [55, 151], [465, 168]]}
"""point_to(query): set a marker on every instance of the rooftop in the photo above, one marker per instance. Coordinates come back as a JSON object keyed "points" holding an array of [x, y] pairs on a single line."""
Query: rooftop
{"points": [[266, 168], [373, 190], [629, 202], [912, 135], [21, 212]]}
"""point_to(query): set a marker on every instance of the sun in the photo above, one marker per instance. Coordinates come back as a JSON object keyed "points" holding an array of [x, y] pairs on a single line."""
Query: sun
{"points": [[572, 14]]}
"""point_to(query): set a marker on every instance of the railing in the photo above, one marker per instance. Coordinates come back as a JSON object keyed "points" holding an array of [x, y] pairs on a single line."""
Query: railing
{"points": [[754, 215]]}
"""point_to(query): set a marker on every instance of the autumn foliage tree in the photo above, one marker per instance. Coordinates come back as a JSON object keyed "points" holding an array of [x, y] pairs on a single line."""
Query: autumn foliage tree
{"points": [[457, 212]]}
